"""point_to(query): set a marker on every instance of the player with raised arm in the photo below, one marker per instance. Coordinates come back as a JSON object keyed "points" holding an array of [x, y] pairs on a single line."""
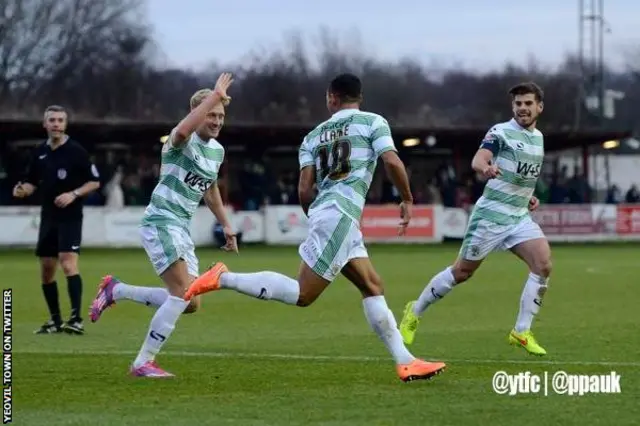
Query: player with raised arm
{"points": [[340, 157], [191, 159], [511, 157]]}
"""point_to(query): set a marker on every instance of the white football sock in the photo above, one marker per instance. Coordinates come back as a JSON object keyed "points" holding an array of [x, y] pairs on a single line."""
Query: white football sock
{"points": [[162, 324], [439, 286], [530, 301], [265, 285], [150, 296], [384, 324]]}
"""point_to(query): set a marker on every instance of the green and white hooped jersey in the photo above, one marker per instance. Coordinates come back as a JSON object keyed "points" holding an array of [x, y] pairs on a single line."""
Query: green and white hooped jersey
{"points": [[186, 173], [519, 154], [345, 150]]}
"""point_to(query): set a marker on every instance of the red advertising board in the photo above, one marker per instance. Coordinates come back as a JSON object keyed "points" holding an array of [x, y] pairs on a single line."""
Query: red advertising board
{"points": [[567, 219], [381, 223], [628, 219]]}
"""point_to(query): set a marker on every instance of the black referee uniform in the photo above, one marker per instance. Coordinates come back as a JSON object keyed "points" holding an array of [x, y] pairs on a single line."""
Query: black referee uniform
{"points": [[55, 172]]}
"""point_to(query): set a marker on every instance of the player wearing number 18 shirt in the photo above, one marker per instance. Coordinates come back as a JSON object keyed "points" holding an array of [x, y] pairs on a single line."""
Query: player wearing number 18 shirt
{"points": [[339, 157]]}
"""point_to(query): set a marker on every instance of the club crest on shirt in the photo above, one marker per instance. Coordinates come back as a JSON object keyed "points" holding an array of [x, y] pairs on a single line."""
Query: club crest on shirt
{"points": [[62, 174]]}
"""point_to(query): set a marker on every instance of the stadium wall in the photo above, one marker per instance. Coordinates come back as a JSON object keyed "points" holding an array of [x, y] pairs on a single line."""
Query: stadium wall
{"points": [[287, 225]]}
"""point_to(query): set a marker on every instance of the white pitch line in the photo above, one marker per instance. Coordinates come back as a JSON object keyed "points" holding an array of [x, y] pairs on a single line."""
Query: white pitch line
{"points": [[334, 358]]}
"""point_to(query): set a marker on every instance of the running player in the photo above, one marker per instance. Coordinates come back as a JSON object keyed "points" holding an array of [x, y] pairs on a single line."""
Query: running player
{"points": [[510, 156], [340, 157], [191, 159]]}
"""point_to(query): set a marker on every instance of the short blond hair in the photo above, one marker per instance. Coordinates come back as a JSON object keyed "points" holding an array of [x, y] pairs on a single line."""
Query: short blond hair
{"points": [[198, 97], [201, 95]]}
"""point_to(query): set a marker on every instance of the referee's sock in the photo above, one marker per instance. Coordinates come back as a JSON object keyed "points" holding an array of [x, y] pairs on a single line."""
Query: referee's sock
{"points": [[74, 286], [50, 291]]}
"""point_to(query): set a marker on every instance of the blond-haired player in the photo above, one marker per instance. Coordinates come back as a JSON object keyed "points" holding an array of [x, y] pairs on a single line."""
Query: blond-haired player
{"points": [[191, 160], [339, 156]]}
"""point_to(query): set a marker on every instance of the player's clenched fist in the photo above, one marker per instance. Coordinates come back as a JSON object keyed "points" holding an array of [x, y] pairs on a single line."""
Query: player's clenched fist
{"points": [[231, 240], [491, 171]]}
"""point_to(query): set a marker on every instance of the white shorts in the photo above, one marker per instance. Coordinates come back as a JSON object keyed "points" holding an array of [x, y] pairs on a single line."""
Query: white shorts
{"points": [[333, 240], [483, 237], [167, 244]]}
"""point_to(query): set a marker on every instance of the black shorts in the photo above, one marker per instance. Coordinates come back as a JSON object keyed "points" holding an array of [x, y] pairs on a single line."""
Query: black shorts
{"points": [[58, 237]]}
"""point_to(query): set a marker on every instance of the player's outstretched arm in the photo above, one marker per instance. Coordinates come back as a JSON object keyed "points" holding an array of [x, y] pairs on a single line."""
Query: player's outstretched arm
{"points": [[190, 123], [306, 194]]}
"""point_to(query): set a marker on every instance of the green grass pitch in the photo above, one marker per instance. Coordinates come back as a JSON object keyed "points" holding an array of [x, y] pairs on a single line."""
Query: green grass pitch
{"points": [[241, 361]]}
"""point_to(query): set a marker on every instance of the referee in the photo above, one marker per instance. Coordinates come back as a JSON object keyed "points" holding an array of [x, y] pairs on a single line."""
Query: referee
{"points": [[60, 168]]}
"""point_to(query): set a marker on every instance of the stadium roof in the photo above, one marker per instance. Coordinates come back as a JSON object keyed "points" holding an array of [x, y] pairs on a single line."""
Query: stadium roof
{"points": [[258, 137]]}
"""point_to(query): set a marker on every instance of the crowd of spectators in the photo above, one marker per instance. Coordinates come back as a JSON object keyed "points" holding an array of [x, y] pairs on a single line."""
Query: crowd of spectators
{"points": [[128, 180]]}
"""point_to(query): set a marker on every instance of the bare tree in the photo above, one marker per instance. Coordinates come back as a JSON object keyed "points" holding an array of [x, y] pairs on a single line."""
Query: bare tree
{"points": [[94, 57], [45, 42]]}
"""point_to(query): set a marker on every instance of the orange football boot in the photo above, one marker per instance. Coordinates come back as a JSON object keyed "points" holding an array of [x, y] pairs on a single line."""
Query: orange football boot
{"points": [[419, 370], [209, 281]]}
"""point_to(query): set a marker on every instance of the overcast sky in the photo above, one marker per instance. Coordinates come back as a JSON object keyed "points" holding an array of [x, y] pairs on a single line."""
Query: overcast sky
{"points": [[191, 33]]}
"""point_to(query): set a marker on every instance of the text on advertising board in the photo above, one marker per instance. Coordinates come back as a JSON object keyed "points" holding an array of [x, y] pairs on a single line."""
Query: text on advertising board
{"points": [[380, 222]]}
